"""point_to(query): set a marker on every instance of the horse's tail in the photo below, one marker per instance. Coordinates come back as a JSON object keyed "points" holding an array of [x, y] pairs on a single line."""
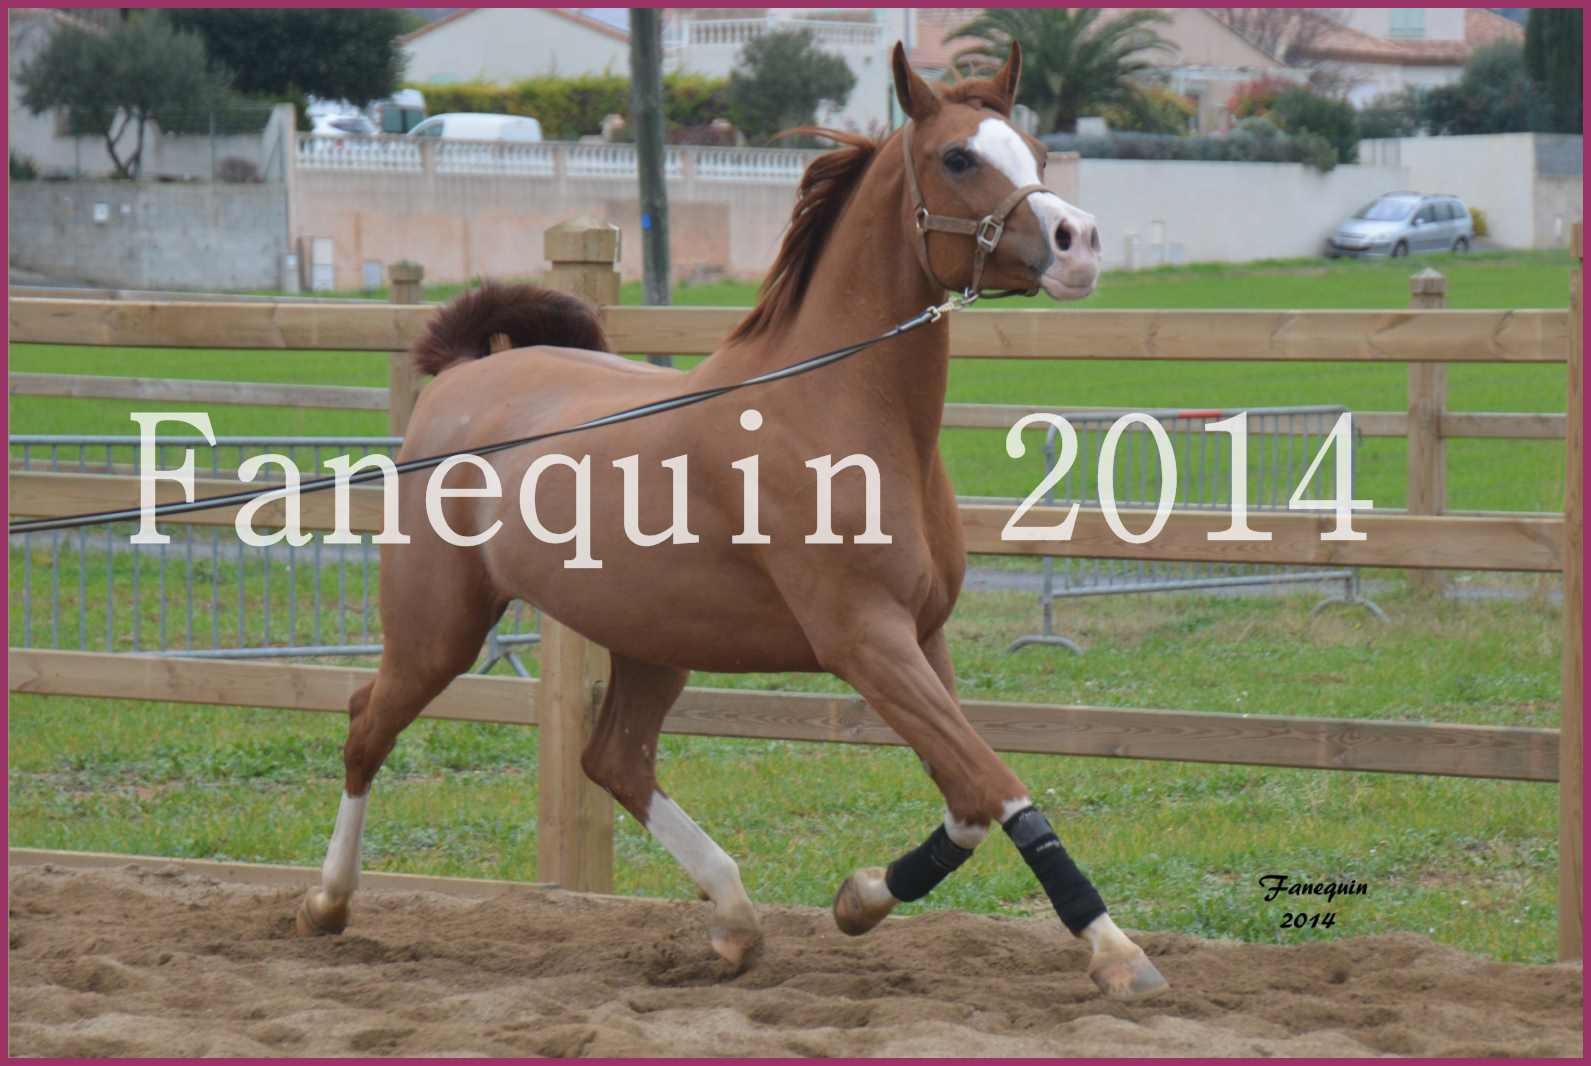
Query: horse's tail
{"points": [[526, 314]]}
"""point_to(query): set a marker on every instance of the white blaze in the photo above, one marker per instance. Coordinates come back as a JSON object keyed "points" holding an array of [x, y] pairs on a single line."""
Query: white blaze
{"points": [[1005, 150]]}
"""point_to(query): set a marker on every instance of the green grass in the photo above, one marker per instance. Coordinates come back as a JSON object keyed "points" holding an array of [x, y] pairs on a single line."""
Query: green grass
{"points": [[1173, 846]]}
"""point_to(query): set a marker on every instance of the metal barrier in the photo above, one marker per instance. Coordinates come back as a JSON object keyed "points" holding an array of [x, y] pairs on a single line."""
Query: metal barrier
{"points": [[206, 594], [1282, 442]]}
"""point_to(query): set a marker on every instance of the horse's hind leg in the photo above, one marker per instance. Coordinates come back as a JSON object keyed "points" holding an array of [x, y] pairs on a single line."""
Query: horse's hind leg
{"points": [[423, 651], [621, 757]]}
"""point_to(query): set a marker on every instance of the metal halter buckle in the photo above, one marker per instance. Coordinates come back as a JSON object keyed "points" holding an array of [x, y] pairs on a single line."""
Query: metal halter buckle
{"points": [[921, 218], [989, 231]]}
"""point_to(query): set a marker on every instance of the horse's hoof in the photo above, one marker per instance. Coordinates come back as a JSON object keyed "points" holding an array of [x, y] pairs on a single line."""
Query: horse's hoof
{"points": [[862, 902], [737, 946], [319, 917], [736, 936], [1127, 977]]}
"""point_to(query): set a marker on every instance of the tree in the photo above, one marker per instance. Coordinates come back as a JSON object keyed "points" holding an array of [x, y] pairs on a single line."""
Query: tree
{"points": [[336, 54], [1553, 59], [108, 81], [781, 79], [1074, 62], [1286, 33], [1290, 34], [1494, 95]]}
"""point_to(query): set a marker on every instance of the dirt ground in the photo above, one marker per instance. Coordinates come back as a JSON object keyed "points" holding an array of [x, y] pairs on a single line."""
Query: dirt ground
{"points": [[153, 961]]}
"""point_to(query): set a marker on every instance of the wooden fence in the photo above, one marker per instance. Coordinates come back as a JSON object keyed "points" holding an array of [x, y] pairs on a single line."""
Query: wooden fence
{"points": [[575, 819]]}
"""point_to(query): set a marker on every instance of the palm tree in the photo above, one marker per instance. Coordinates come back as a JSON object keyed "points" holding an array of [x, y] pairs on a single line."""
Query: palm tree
{"points": [[1074, 61]]}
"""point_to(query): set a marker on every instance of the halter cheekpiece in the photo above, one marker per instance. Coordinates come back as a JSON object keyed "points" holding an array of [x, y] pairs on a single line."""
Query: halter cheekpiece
{"points": [[985, 232]]}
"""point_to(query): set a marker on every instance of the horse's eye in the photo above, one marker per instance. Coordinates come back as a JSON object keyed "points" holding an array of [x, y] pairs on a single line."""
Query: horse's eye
{"points": [[958, 161]]}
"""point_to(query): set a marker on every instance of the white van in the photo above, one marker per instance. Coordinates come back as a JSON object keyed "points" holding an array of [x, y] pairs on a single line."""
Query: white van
{"points": [[471, 126]]}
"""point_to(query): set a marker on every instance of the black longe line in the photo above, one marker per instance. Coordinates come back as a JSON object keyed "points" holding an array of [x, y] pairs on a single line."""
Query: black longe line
{"points": [[816, 362]]}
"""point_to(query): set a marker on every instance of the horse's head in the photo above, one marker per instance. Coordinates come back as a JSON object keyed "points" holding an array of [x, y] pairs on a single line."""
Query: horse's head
{"points": [[980, 215]]}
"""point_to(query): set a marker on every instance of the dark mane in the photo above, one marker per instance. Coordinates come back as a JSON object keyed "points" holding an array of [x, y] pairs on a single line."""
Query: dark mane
{"points": [[825, 189]]}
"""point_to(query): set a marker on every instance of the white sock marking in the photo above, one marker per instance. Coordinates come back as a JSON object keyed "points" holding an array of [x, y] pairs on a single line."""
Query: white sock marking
{"points": [[1012, 806], [1103, 936], [339, 876], [707, 863], [964, 834], [874, 890]]}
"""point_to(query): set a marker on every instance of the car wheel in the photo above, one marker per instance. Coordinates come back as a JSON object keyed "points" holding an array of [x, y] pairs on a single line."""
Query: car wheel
{"points": [[1400, 249], [1460, 246]]}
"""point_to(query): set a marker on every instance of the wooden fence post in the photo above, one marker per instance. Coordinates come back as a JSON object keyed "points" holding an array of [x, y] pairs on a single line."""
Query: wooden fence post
{"points": [[574, 827], [585, 256], [1571, 752], [403, 380], [575, 824], [1427, 402]]}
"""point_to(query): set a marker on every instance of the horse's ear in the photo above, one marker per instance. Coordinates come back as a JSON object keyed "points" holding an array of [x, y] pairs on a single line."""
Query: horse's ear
{"points": [[1009, 76], [916, 98]]}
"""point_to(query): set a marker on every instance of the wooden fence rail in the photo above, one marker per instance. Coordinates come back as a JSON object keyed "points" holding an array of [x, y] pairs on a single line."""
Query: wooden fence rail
{"points": [[1504, 752], [996, 416], [1494, 541], [575, 829], [1392, 337]]}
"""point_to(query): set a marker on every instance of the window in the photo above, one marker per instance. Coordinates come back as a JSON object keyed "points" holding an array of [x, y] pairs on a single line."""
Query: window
{"points": [[1424, 214], [1407, 22]]}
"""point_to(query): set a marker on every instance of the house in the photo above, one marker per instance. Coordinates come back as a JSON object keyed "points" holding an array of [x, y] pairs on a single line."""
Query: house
{"points": [[508, 44], [709, 41], [1208, 61], [1384, 50]]}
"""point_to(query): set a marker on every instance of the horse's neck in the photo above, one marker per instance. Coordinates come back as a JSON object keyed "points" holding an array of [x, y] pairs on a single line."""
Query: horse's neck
{"points": [[867, 280]]}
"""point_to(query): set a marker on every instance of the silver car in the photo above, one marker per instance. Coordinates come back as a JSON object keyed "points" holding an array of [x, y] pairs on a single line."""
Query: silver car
{"points": [[1402, 222]]}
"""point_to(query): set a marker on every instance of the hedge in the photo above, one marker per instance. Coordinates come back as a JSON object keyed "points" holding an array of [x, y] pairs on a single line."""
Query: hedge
{"points": [[1255, 140], [569, 108]]}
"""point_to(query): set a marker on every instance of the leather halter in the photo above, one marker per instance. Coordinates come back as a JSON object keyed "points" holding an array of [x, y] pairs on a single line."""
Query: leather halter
{"points": [[985, 232]]}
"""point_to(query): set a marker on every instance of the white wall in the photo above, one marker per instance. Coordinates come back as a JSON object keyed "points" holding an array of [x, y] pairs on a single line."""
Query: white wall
{"points": [[1494, 172], [1221, 211], [512, 43]]}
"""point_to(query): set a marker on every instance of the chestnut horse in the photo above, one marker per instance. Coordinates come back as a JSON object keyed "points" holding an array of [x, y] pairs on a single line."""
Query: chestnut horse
{"points": [[880, 230]]}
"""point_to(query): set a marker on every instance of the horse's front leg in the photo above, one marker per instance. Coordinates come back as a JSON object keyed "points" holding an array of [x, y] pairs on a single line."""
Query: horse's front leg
{"points": [[912, 689]]}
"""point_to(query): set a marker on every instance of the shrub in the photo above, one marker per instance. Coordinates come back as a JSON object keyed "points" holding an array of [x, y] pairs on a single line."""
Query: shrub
{"points": [[1391, 115], [1255, 98], [1255, 140], [235, 170], [23, 168], [1151, 110], [569, 108], [1479, 218], [1300, 111]]}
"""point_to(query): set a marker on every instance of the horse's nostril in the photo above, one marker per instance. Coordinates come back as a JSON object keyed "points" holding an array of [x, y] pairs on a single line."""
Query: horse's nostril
{"points": [[1093, 239], [1063, 237]]}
